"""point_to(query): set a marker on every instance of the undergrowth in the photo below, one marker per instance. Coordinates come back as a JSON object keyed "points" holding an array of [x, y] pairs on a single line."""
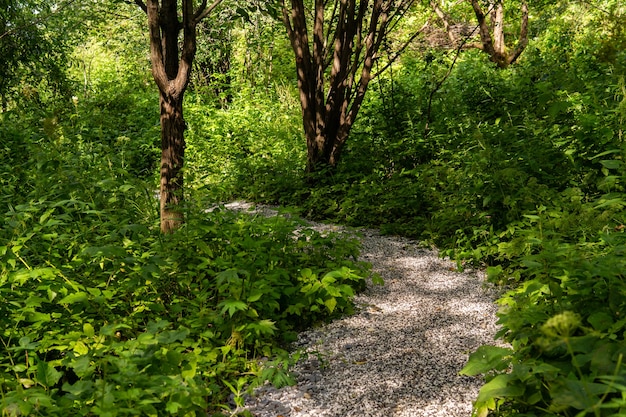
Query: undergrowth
{"points": [[103, 315], [520, 172]]}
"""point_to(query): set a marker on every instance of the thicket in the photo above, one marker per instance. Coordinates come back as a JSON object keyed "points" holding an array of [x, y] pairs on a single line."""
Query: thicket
{"points": [[101, 314], [104, 315], [519, 170]]}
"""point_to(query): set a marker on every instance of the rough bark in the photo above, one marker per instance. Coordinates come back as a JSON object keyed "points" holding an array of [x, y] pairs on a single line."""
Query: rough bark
{"points": [[171, 69], [334, 60], [172, 161]]}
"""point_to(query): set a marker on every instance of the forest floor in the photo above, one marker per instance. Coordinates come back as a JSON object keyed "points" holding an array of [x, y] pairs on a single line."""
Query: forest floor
{"points": [[401, 353]]}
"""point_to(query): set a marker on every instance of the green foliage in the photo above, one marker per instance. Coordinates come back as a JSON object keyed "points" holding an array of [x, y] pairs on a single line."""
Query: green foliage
{"points": [[520, 171], [252, 149], [33, 54], [103, 315], [567, 331]]}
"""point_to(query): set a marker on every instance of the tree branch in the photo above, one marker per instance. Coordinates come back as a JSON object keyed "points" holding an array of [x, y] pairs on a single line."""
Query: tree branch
{"points": [[188, 50], [485, 35], [445, 20], [401, 50], [141, 5], [204, 11], [156, 48], [201, 9]]}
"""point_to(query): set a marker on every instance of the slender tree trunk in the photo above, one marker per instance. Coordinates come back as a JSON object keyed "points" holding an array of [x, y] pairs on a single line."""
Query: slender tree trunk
{"points": [[171, 69], [498, 30], [172, 159]]}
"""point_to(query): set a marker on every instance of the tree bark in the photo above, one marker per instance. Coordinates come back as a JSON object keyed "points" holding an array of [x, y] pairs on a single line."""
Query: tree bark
{"points": [[492, 35], [491, 30], [334, 67], [172, 162], [171, 74]]}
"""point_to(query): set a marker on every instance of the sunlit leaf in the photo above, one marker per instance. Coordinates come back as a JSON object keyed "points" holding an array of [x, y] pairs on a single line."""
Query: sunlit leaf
{"points": [[486, 358]]}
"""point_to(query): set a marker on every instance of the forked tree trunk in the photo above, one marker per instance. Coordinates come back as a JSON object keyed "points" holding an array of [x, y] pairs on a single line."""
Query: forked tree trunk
{"points": [[335, 53], [491, 30], [171, 69], [492, 38], [172, 162]]}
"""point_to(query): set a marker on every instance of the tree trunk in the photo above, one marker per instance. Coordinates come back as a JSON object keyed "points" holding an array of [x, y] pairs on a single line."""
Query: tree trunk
{"points": [[491, 30], [494, 45], [498, 29], [320, 142], [317, 158], [334, 60], [172, 158], [171, 74]]}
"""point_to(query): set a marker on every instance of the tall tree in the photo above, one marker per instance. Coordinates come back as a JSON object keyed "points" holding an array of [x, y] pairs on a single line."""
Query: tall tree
{"points": [[335, 48], [491, 24], [171, 69]]}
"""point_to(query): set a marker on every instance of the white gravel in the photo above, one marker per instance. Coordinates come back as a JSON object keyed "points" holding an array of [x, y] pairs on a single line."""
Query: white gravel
{"points": [[401, 354]]}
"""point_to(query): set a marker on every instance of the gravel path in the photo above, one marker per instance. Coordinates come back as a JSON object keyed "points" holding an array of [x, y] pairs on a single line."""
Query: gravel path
{"points": [[401, 354]]}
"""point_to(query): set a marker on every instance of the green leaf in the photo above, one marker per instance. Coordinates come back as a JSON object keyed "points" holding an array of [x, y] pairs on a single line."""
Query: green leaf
{"points": [[266, 327], [47, 375], [45, 216], [307, 273], [79, 388], [610, 202], [600, 321], [578, 394], [81, 348], [255, 296], [499, 387], [156, 326], [328, 279], [77, 297], [232, 306], [82, 366], [27, 344], [230, 275], [36, 317], [494, 272], [331, 303], [189, 370], [172, 407], [88, 330], [612, 151], [486, 358], [611, 163], [377, 280], [532, 216], [171, 336]]}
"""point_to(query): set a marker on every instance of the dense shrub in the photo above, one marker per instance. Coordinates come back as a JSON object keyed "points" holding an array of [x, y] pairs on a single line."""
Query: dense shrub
{"points": [[103, 315]]}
